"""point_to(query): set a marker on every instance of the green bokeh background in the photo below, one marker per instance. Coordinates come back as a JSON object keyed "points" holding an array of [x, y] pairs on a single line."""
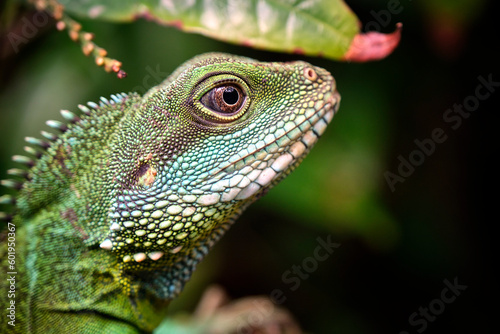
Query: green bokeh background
{"points": [[397, 246]]}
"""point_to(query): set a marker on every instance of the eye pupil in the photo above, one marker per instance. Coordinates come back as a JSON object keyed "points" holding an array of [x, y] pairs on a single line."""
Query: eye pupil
{"points": [[225, 101], [230, 96]]}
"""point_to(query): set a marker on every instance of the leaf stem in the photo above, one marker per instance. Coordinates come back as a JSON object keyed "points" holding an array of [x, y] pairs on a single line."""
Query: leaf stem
{"points": [[85, 39]]}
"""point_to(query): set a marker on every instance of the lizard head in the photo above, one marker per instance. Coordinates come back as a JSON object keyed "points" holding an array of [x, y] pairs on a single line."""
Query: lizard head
{"points": [[202, 146]]}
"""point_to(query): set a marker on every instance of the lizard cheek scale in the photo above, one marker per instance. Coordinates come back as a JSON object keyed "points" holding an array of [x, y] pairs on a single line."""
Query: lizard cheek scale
{"points": [[136, 190]]}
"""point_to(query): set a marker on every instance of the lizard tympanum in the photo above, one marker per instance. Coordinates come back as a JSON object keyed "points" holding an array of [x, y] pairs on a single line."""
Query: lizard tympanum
{"points": [[117, 210]]}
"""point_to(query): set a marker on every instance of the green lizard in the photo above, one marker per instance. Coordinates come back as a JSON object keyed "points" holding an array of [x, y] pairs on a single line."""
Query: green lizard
{"points": [[117, 210]]}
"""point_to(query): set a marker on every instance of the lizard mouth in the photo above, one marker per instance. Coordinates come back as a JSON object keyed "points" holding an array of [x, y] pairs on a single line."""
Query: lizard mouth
{"points": [[265, 162]]}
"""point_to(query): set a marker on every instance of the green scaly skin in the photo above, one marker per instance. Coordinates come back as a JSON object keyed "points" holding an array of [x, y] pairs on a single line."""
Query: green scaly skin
{"points": [[119, 208]]}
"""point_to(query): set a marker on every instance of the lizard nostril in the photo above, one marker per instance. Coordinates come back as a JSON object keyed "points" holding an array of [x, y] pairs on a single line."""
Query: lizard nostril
{"points": [[310, 74]]}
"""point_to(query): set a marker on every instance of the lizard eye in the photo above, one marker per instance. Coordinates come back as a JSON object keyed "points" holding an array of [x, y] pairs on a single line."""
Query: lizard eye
{"points": [[226, 100], [221, 100]]}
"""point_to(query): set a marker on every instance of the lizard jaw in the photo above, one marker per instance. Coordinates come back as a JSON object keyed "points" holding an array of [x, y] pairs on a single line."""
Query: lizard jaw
{"points": [[267, 162]]}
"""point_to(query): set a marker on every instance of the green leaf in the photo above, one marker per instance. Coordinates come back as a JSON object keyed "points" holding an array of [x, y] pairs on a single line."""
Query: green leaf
{"points": [[312, 27]]}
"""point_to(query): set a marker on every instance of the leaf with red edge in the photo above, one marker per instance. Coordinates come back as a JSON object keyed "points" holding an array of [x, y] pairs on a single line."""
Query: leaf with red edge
{"points": [[326, 28], [373, 45]]}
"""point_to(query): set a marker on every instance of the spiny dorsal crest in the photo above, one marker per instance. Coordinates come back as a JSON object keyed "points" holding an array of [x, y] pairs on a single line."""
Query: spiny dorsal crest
{"points": [[38, 147]]}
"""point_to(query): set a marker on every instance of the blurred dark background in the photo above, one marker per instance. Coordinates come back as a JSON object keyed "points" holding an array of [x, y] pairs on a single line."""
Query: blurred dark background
{"points": [[399, 244]]}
